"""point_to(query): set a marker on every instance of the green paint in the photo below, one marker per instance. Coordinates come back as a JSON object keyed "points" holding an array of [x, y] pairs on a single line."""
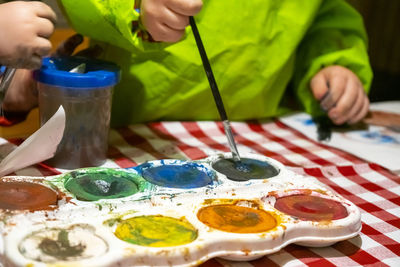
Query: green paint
{"points": [[61, 248], [156, 231], [92, 184], [117, 218]]}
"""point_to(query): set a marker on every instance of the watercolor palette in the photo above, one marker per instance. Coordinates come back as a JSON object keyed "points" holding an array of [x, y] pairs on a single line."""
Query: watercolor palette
{"points": [[168, 213]]}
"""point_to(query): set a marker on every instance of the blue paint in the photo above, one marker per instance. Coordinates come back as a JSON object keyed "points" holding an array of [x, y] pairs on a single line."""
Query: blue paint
{"points": [[379, 138], [307, 122], [176, 174]]}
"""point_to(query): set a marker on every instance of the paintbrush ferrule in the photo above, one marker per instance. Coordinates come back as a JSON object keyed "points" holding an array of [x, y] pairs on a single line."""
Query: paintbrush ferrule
{"points": [[231, 140]]}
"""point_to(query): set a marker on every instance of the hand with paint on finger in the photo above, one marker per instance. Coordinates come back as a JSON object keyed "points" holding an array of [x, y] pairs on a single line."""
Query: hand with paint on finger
{"points": [[166, 20], [341, 94], [25, 29]]}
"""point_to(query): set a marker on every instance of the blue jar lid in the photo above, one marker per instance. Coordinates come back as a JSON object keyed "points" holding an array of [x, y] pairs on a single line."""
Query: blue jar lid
{"points": [[56, 71]]}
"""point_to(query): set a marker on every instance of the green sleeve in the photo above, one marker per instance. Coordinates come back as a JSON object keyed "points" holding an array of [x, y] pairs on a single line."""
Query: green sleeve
{"points": [[336, 37], [109, 21]]}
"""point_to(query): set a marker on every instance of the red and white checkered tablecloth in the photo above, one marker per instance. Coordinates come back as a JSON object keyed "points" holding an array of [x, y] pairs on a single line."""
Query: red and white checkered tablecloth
{"points": [[375, 190]]}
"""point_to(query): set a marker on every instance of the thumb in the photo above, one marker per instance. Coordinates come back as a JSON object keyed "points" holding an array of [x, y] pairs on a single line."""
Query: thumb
{"points": [[319, 86]]}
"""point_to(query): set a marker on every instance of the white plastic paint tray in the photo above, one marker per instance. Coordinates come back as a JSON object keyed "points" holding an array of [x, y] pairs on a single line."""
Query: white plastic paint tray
{"points": [[84, 233]]}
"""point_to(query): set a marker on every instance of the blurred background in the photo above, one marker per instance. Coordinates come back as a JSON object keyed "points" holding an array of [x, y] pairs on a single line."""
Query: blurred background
{"points": [[382, 20]]}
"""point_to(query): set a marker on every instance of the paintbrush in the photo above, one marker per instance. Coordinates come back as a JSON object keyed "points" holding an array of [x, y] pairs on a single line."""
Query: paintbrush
{"points": [[215, 91], [4, 84]]}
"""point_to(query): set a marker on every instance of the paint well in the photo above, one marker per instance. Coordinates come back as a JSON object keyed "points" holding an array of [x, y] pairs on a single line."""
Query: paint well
{"points": [[311, 208], [50, 245], [237, 219], [99, 183], [18, 195], [156, 231], [178, 174], [246, 169]]}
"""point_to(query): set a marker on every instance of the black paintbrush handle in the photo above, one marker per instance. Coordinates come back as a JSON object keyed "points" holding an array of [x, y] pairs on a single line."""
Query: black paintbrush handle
{"points": [[215, 91], [209, 72]]}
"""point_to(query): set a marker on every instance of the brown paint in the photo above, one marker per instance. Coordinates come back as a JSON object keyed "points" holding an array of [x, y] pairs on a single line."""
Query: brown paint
{"points": [[26, 196]]}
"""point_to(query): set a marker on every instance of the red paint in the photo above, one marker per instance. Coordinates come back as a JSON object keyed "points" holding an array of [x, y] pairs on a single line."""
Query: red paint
{"points": [[26, 196], [311, 208]]}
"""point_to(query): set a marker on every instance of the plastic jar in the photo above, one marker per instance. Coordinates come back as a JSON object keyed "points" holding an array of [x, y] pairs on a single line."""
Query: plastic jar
{"points": [[86, 98]]}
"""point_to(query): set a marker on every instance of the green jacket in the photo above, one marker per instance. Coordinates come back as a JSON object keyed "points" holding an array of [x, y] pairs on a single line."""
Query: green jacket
{"points": [[256, 49]]}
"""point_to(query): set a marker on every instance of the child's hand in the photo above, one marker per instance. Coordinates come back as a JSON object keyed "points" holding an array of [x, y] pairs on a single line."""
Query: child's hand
{"points": [[166, 20], [24, 31], [22, 93], [341, 94]]}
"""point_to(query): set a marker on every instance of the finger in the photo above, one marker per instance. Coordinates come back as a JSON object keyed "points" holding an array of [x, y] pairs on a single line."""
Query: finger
{"points": [[186, 8], [348, 101], [42, 47], [319, 86], [44, 11], [358, 97], [363, 111], [91, 52], [46, 28], [163, 33], [176, 21], [356, 107], [67, 47], [336, 88], [34, 62]]}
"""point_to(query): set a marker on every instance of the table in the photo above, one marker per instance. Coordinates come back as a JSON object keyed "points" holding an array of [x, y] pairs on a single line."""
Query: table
{"points": [[374, 189]]}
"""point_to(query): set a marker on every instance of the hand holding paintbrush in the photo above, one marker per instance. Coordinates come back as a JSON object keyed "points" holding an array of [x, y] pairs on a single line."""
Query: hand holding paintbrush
{"points": [[341, 95]]}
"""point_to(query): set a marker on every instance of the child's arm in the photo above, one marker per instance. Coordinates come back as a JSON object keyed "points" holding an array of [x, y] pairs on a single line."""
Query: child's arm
{"points": [[166, 20], [24, 31], [336, 38]]}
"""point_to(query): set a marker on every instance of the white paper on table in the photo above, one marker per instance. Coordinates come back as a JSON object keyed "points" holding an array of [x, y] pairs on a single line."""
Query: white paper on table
{"points": [[376, 144], [40, 146]]}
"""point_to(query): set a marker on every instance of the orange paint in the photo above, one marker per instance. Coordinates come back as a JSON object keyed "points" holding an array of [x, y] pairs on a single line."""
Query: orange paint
{"points": [[237, 219], [26, 196]]}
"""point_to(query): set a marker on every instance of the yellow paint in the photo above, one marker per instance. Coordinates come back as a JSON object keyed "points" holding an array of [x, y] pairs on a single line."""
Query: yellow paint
{"points": [[156, 231]]}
